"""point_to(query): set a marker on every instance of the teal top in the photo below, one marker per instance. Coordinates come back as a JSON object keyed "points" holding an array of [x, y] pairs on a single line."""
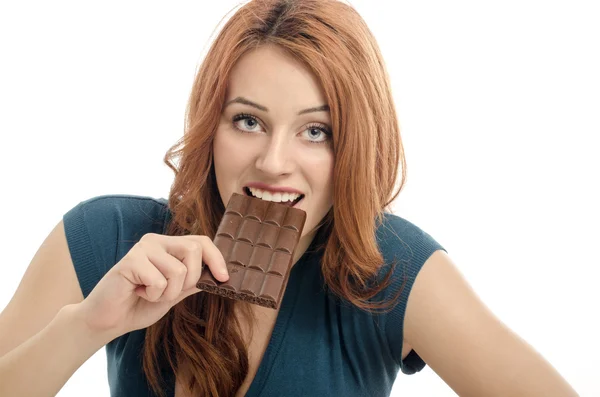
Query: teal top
{"points": [[320, 345]]}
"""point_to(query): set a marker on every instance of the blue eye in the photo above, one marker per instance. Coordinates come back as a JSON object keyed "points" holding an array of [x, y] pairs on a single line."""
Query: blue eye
{"points": [[250, 122], [317, 133]]}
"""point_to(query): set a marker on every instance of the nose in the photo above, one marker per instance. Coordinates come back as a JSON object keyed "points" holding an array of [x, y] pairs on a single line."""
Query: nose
{"points": [[276, 155]]}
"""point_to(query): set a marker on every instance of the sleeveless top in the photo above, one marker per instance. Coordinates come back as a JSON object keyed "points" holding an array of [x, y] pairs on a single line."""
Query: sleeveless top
{"points": [[320, 345]]}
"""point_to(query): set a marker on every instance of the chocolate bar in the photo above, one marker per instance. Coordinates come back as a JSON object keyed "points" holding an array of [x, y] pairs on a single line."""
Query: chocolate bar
{"points": [[257, 239]]}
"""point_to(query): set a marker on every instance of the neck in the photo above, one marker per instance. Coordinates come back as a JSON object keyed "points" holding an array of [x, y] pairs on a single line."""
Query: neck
{"points": [[303, 244]]}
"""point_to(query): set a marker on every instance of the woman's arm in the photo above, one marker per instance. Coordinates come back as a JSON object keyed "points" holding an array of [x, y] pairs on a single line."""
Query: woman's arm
{"points": [[466, 345], [42, 339], [41, 365]]}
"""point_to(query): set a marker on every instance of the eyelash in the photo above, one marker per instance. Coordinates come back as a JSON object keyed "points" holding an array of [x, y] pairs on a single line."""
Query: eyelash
{"points": [[243, 116]]}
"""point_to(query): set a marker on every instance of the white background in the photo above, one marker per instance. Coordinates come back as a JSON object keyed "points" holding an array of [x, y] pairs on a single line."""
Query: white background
{"points": [[498, 105]]}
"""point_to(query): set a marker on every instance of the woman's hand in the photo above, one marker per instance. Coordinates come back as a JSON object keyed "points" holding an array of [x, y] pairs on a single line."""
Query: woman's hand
{"points": [[156, 274]]}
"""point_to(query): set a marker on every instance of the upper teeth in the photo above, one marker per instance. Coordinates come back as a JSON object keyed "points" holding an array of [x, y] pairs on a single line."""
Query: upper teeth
{"points": [[277, 197]]}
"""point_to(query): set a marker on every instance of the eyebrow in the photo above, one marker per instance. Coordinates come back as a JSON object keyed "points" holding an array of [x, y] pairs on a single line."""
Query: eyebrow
{"points": [[244, 101]]}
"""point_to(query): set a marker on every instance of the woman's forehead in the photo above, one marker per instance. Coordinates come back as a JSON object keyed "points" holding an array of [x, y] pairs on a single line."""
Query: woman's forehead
{"points": [[270, 77]]}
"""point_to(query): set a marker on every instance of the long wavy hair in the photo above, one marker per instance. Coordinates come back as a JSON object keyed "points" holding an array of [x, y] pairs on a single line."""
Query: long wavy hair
{"points": [[200, 338]]}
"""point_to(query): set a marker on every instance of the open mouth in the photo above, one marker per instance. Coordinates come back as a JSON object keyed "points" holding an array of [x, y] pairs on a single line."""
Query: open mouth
{"points": [[288, 203]]}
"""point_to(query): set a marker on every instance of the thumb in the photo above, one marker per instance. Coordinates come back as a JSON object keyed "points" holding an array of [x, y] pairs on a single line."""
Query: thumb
{"points": [[185, 293]]}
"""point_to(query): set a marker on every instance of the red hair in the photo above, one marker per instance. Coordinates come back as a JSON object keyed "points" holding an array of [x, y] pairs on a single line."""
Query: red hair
{"points": [[200, 338]]}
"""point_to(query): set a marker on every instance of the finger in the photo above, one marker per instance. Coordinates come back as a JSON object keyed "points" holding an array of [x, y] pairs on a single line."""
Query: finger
{"points": [[149, 280], [212, 257], [193, 261], [192, 254], [186, 251], [172, 269]]}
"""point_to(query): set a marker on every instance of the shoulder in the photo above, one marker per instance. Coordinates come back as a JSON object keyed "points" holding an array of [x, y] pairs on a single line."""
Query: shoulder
{"points": [[102, 229], [400, 240], [121, 205], [405, 248], [118, 210]]}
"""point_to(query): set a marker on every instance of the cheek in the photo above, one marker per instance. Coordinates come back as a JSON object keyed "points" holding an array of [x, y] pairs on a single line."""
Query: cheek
{"points": [[319, 171], [229, 155], [218, 148], [225, 168], [322, 167]]}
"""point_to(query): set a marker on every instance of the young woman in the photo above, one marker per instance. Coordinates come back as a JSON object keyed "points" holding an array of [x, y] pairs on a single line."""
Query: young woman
{"points": [[292, 103]]}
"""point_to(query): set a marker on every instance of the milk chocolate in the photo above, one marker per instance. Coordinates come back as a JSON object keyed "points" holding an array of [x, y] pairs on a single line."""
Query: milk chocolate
{"points": [[257, 239]]}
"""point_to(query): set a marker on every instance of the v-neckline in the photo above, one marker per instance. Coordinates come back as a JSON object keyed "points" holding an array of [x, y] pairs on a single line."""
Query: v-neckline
{"points": [[286, 310]]}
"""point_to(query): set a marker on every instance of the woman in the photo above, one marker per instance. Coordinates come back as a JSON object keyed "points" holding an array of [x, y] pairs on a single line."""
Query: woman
{"points": [[291, 103]]}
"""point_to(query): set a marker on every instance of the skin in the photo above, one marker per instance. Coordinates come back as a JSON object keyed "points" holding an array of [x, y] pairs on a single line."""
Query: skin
{"points": [[466, 344], [277, 147]]}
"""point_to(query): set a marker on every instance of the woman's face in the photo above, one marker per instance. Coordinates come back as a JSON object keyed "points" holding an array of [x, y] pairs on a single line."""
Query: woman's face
{"points": [[273, 140]]}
